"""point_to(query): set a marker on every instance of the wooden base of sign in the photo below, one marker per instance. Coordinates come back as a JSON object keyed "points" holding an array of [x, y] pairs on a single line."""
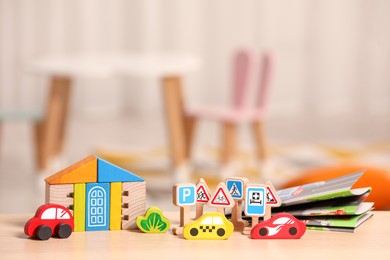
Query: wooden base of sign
{"points": [[184, 219], [247, 230], [220, 210], [238, 222], [268, 213], [199, 210], [177, 231]]}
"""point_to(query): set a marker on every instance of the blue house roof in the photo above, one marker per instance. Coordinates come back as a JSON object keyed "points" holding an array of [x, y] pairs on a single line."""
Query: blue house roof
{"points": [[108, 172]]}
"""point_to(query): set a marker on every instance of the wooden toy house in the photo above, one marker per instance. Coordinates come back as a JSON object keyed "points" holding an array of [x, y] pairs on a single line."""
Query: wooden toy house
{"points": [[101, 195]]}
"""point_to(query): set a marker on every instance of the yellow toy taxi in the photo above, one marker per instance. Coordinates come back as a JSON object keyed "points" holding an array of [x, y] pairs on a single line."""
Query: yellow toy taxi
{"points": [[210, 226]]}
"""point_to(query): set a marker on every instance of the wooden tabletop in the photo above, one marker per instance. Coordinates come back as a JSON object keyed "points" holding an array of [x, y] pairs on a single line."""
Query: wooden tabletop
{"points": [[370, 241]]}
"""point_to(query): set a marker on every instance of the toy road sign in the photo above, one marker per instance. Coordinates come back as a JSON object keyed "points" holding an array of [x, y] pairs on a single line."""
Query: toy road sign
{"points": [[255, 196], [184, 194], [236, 187], [221, 197], [202, 192], [273, 199]]}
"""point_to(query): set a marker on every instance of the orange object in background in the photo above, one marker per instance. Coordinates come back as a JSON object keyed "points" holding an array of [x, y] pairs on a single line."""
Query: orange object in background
{"points": [[376, 178]]}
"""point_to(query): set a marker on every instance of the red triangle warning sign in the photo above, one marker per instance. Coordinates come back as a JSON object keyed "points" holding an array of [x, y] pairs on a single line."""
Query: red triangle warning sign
{"points": [[202, 196], [202, 192], [272, 197], [221, 197]]}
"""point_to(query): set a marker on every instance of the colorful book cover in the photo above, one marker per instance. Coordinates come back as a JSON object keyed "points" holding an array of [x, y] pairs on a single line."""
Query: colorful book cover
{"points": [[353, 205], [323, 190], [340, 223]]}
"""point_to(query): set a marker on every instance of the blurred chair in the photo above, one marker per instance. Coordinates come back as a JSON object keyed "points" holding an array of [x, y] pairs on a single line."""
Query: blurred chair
{"points": [[245, 64], [26, 116], [48, 125], [376, 178]]}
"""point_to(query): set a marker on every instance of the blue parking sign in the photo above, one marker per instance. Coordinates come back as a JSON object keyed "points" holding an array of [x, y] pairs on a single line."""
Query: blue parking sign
{"points": [[236, 188], [255, 200], [185, 195]]}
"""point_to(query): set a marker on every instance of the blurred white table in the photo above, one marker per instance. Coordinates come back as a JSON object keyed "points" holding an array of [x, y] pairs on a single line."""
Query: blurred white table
{"points": [[63, 69], [114, 65]]}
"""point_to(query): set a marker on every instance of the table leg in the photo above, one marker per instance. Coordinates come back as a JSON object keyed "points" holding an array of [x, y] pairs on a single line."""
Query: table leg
{"points": [[190, 123], [174, 108], [229, 135], [63, 115], [258, 132], [50, 132]]}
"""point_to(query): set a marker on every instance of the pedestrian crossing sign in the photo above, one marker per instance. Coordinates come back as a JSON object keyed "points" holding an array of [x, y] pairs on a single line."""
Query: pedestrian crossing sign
{"points": [[236, 188]]}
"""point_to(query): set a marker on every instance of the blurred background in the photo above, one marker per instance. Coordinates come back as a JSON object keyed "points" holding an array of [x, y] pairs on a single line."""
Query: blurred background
{"points": [[329, 100]]}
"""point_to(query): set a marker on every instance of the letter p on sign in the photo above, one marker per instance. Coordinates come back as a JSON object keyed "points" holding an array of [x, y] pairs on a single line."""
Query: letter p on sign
{"points": [[184, 195]]}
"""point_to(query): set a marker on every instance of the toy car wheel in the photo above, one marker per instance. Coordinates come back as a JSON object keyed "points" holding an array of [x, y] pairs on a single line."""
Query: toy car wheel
{"points": [[221, 232], [263, 232], [43, 232], [293, 231], [194, 232], [63, 230]]}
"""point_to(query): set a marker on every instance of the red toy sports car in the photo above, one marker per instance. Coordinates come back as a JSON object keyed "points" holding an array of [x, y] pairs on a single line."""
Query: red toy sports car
{"points": [[280, 226], [50, 219]]}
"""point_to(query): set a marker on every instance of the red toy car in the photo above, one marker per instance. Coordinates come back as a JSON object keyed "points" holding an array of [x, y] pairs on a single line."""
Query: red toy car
{"points": [[50, 219], [280, 226]]}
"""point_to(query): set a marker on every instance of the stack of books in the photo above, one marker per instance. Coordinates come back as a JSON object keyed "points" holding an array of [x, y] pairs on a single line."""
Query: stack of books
{"points": [[328, 205]]}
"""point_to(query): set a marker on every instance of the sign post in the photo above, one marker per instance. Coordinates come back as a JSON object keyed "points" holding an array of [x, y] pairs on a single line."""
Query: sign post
{"points": [[202, 196], [255, 203], [236, 187], [184, 196]]}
